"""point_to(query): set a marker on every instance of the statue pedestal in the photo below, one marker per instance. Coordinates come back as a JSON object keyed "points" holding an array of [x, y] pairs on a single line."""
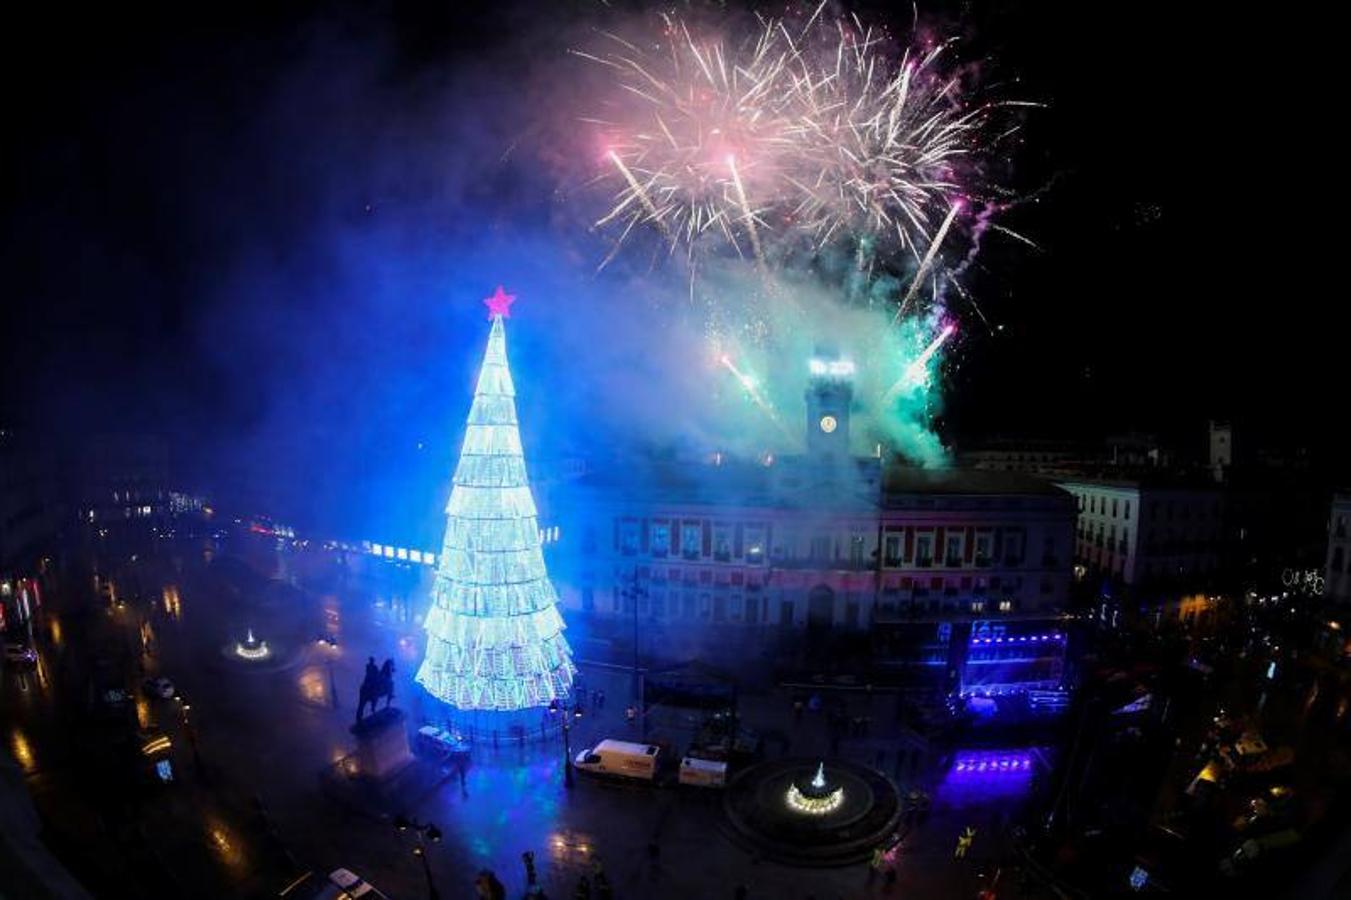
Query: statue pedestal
{"points": [[382, 744], [382, 778]]}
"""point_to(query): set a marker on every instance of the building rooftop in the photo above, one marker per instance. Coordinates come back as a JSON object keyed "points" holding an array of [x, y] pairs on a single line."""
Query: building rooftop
{"points": [[798, 481], [1159, 481], [902, 479]]}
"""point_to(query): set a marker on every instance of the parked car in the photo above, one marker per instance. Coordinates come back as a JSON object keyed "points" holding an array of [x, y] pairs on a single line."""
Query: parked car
{"points": [[17, 654], [160, 687], [340, 884], [438, 743], [1255, 847]]}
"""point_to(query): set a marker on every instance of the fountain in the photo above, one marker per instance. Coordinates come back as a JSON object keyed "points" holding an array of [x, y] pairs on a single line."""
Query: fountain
{"points": [[797, 812], [252, 648], [816, 797]]}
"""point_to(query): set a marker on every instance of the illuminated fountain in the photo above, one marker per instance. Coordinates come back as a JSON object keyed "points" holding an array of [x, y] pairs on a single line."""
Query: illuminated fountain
{"points": [[796, 812], [251, 648], [816, 797]]}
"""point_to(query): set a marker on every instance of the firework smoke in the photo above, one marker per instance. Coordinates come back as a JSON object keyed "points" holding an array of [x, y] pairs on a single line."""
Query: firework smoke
{"points": [[803, 145]]}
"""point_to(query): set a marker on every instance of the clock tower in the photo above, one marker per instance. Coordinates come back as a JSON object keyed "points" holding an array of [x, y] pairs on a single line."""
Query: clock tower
{"points": [[830, 393]]}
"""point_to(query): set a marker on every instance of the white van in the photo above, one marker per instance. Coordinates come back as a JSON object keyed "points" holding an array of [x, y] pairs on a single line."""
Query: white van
{"points": [[621, 758], [341, 884], [703, 772]]}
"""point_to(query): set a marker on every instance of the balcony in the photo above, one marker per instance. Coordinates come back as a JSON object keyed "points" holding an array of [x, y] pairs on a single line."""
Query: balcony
{"points": [[923, 562], [953, 562]]}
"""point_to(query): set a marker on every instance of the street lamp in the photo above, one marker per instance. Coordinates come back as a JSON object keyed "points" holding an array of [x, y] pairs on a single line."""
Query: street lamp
{"points": [[425, 832], [632, 593], [567, 711]]}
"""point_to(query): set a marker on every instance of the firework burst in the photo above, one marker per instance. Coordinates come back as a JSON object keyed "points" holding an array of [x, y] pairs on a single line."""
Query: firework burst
{"points": [[692, 133], [815, 134]]}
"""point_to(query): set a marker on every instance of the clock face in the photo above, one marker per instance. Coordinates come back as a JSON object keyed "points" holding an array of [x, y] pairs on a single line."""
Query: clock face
{"points": [[828, 424]]}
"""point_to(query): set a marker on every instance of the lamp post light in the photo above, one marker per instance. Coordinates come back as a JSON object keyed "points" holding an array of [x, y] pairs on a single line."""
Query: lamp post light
{"points": [[632, 593], [568, 712], [426, 832]]}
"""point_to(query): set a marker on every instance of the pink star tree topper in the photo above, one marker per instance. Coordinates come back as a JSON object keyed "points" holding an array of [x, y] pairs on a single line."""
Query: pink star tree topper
{"points": [[499, 304]]}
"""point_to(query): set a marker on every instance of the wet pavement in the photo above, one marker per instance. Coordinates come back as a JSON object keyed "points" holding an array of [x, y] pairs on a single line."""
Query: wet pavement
{"points": [[250, 810]]}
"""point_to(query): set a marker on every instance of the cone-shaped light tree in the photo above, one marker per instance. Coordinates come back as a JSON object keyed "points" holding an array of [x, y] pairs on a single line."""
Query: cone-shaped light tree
{"points": [[494, 635]]}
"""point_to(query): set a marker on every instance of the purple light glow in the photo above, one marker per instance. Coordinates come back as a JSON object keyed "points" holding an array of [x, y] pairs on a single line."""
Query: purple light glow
{"points": [[1053, 636], [993, 762]]}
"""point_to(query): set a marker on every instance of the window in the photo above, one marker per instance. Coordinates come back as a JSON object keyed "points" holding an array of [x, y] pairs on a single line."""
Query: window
{"points": [[628, 537], [977, 606], [924, 550], [661, 538], [1127, 511], [953, 550], [1006, 606], [984, 544], [658, 604], [821, 547], [1113, 507], [589, 599], [1013, 547], [755, 543], [722, 542], [1337, 555], [1340, 530], [893, 550], [856, 550], [691, 540]]}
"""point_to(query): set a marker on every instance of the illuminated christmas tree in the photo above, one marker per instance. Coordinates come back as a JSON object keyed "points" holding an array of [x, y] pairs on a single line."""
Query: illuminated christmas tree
{"points": [[494, 635]]}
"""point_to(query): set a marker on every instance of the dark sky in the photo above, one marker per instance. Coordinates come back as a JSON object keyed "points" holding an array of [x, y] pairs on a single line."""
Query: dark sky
{"points": [[206, 205]]}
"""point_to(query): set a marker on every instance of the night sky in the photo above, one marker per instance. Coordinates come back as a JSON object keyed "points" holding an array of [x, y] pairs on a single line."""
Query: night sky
{"points": [[244, 225]]}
